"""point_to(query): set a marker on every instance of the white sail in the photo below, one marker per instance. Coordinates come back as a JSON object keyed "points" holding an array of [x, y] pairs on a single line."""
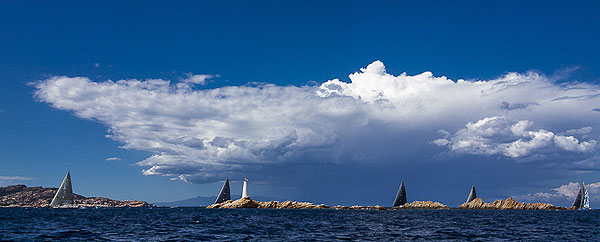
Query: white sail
{"points": [[472, 195], [586, 201], [245, 188], [64, 196]]}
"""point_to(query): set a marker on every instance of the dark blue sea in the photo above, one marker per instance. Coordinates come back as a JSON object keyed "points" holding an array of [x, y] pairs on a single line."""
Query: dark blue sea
{"points": [[198, 224]]}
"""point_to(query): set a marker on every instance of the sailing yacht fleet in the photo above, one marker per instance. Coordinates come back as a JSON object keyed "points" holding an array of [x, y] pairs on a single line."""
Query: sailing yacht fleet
{"points": [[64, 195], [582, 200]]}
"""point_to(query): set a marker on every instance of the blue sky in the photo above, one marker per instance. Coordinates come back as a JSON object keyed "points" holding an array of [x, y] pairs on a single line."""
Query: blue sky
{"points": [[288, 127]]}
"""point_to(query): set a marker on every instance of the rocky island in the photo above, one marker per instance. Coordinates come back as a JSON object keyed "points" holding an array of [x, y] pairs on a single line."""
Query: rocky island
{"points": [[23, 196], [509, 203], [423, 205], [246, 202]]}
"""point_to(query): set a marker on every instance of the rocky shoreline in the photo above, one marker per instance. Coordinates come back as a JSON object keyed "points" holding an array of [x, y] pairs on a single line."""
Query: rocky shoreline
{"points": [[422, 205], [477, 204], [249, 203], [509, 204], [39, 197]]}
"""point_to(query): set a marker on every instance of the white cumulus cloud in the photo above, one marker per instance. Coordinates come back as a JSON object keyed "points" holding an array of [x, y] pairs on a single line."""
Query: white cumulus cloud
{"points": [[499, 135], [196, 134], [198, 78], [584, 130]]}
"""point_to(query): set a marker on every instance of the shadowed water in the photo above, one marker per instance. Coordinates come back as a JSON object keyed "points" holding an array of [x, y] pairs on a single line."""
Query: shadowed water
{"points": [[177, 224]]}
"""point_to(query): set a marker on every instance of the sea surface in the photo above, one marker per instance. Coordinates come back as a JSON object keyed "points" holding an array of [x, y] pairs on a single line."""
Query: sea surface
{"points": [[199, 224]]}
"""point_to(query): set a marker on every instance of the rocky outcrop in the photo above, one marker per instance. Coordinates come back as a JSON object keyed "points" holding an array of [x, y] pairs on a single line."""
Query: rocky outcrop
{"points": [[249, 203], [246, 202], [23, 196], [475, 204], [423, 205], [509, 203], [357, 207], [105, 202]]}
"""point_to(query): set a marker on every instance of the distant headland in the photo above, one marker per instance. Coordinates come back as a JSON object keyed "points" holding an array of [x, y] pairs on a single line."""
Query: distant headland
{"points": [[39, 197]]}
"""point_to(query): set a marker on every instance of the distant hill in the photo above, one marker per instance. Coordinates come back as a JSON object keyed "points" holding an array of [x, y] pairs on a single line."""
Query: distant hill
{"points": [[203, 201], [23, 196]]}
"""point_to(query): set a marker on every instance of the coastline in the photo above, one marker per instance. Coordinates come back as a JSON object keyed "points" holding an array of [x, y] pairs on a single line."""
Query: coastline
{"points": [[40, 197], [476, 204]]}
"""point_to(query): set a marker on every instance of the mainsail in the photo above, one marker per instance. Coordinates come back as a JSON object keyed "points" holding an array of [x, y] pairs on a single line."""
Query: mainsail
{"points": [[582, 198], [224, 194], [472, 195], [64, 195], [401, 196]]}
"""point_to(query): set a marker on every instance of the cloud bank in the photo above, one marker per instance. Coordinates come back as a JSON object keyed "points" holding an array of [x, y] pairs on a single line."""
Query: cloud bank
{"points": [[7, 180], [498, 135], [202, 135]]}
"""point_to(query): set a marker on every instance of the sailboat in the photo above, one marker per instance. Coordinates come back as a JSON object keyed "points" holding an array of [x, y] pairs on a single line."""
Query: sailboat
{"points": [[224, 194], [582, 200], [64, 196], [472, 195], [401, 196]]}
